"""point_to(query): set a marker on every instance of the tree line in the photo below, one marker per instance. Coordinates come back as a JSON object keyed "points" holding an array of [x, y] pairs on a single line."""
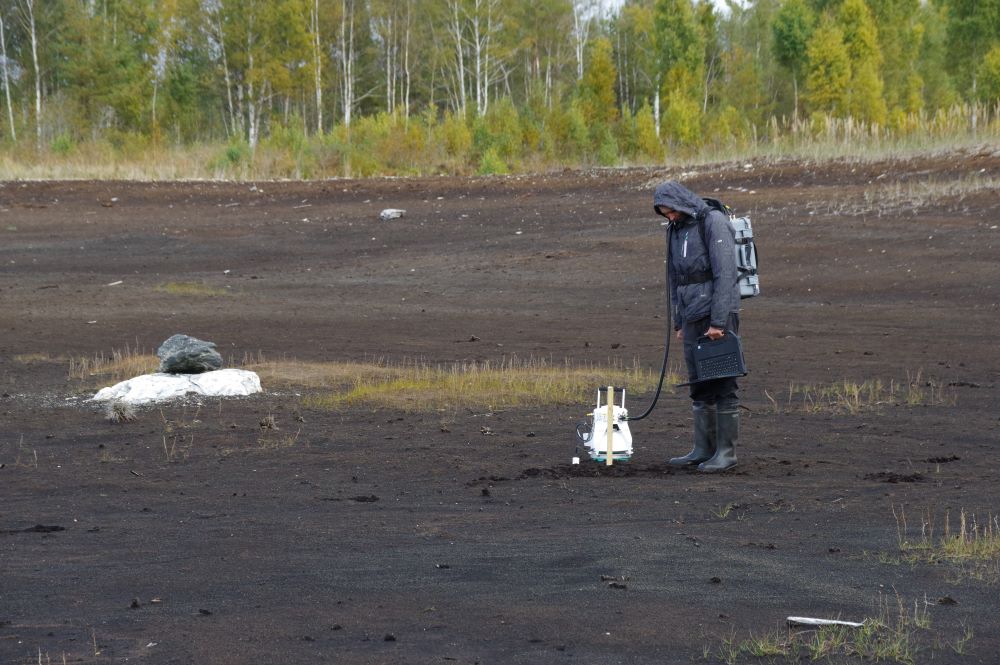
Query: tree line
{"points": [[396, 85]]}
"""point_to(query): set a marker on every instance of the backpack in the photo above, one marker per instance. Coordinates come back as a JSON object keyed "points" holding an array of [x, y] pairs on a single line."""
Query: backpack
{"points": [[746, 250]]}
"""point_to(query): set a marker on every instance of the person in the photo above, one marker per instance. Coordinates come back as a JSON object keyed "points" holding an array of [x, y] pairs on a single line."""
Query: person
{"points": [[705, 301]]}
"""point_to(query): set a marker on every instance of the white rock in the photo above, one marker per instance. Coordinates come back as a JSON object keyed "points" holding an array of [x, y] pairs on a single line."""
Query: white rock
{"points": [[163, 387], [391, 213]]}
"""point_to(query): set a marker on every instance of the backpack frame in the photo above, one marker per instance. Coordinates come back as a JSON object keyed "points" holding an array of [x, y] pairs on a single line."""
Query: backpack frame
{"points": [[746, 251]]}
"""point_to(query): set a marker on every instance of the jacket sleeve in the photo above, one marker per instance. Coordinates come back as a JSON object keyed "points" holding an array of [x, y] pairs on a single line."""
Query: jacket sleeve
{"points": [[673, 304], [720, 238]]}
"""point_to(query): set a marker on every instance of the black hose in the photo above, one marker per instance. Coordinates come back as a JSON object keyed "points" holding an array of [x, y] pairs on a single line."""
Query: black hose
{"points": [[670, 332]]}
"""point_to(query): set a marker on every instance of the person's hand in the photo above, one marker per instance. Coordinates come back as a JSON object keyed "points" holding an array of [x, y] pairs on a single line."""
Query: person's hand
{"points": [[714, 333], [680, 334]]}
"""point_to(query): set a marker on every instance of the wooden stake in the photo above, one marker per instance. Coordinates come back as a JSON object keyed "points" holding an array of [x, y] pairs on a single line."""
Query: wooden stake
{"points": [[611, 426]]}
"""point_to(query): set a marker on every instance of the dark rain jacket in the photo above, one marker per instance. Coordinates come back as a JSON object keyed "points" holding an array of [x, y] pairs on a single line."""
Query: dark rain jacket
{"points": [[691, 261]]}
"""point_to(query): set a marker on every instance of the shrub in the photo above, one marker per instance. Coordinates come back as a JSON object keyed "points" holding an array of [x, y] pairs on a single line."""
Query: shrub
{"points": [[569, 132], [607, 146], [455, 134], [500, 130], [989, 76], [727, 128], [492, 164], [63, 145], [647, 142], [681, 121]]}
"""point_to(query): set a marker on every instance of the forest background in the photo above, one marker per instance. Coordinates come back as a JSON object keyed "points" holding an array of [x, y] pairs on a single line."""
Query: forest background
{"points": [[166, 89]]}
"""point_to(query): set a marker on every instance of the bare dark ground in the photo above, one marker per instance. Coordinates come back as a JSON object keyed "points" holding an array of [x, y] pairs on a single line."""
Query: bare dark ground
{"points": [[378, 537]]}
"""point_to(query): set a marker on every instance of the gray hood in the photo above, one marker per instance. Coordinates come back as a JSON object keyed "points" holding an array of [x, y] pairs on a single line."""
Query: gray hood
{"points": [[677, 197]]}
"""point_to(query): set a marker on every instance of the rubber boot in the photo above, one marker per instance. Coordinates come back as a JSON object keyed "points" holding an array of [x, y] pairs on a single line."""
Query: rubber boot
{"points": [[704, 436], [727, 431]]}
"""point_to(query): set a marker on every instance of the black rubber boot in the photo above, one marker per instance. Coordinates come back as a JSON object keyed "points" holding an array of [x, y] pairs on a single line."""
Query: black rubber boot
{"points": [[727, 426], [704, 436]]}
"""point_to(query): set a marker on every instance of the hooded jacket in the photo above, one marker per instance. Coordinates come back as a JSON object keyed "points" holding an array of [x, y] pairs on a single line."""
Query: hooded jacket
{"points": [[691, 261]]}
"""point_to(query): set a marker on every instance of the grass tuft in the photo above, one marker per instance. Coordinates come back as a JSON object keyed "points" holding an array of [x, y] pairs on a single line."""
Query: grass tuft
{"points": [[896, 634], [120, 365], [973, 548], [853, 397], [423, 387], [120, 412], [912, 196]]}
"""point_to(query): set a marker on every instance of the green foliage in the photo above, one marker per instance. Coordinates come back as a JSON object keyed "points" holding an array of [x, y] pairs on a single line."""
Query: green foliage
{"points": [[63, 145], [865, 101], [491, 163], [597, 88], [607, 146], [235, 81], [728, 128], [939, 87], [455, 134], [499, 130], [569, 132], [232, 159], [682, 122], [973, 30], [829, 76], [792, 29], [901, 42], [989, 76], [633, 37], [647, 142], [681, 45]]}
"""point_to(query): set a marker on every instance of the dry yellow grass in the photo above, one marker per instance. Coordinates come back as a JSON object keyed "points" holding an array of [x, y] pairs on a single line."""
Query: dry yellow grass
{"points": [[120, 365], [853, 397], [314, 375], [411, 386], [509, 383]]}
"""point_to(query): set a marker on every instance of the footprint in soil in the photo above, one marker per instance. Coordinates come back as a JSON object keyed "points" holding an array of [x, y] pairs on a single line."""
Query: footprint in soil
{"points": [[942, 460], [38, 528], [600, 471], [893, 477]]}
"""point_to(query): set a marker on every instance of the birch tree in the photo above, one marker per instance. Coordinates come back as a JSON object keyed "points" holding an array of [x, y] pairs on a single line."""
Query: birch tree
{"points": [[346, 58], [584, 15], [28, 18], [6, 79], [392, 21], [539, 34], [456, 30], [486, 25], [316, 43], [218, 37]]}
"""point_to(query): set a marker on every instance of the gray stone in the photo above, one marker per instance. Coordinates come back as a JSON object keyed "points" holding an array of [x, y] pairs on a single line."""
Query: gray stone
{"points": [[182, 354]]}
